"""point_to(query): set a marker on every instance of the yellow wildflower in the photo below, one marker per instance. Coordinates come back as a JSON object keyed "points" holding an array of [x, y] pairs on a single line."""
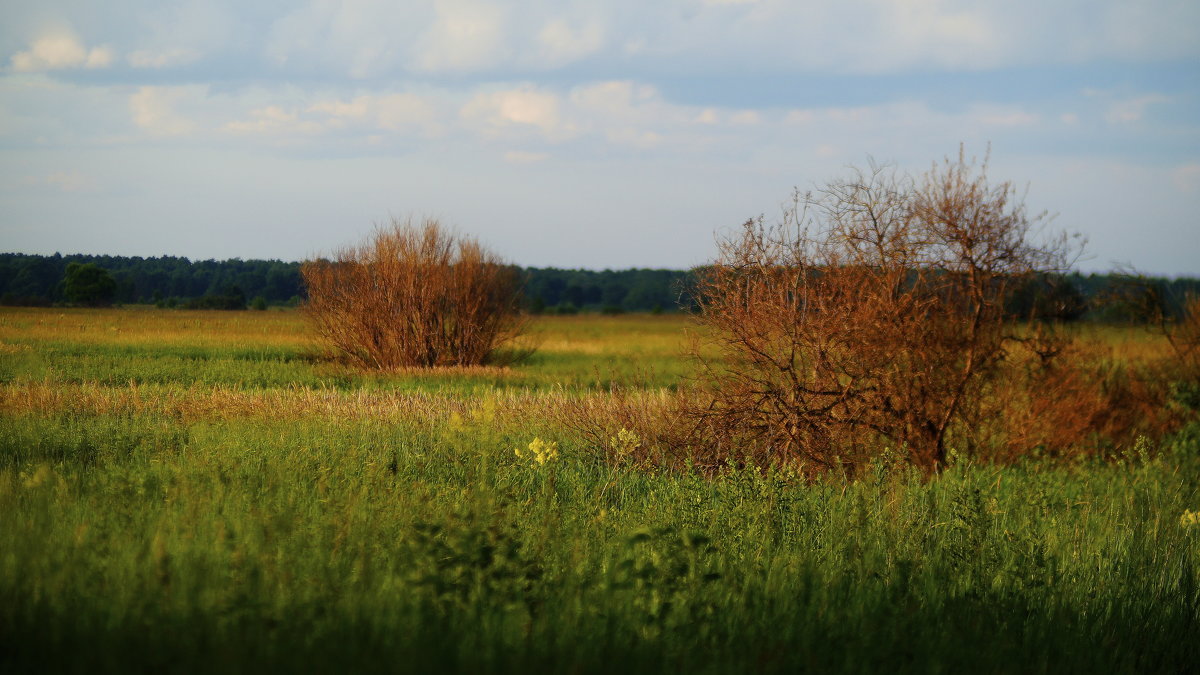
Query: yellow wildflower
{"points": [[624, 443], [1190, 518], [539, 451]]}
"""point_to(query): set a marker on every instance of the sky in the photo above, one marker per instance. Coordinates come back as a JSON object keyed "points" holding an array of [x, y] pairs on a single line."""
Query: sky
{"points": [[598, 134]]}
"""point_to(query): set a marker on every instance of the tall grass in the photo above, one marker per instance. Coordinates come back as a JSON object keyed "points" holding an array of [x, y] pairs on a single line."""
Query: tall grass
{"points": [[138, 542], [201, 523]]}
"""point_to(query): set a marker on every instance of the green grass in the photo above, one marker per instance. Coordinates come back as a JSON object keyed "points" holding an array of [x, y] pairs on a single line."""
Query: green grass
{"points": [[233, 531], [119, 347]]}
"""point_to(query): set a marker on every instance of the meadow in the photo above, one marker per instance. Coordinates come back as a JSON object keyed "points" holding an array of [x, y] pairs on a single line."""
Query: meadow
{"points": [[198, 492]]}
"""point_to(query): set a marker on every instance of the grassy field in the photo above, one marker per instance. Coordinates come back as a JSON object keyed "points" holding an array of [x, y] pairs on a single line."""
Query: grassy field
{"points": [[196, 491]]}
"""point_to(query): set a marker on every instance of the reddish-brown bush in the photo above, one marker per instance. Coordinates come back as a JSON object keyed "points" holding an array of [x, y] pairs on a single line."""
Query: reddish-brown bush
{"points": [[872, 315], [413, 296]]}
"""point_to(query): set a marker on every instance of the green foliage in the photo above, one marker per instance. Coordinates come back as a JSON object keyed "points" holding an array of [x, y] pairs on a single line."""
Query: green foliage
{"points": [[1053, 297], [33, 279], [139, 541], [229, 297], [633, 290], [88, 285]]}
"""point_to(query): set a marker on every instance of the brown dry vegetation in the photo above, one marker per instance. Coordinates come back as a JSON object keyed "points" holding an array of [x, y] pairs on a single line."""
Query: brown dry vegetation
{"points": [[413, 296], [873, 317]]}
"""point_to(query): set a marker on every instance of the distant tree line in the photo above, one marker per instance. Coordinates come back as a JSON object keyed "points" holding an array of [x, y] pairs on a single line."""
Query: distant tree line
{"points": [[553, 290], [166, 281], [169, 281]]}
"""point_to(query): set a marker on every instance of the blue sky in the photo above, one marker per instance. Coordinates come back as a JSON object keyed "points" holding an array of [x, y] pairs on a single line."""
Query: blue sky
{"points": [[597, 134]]}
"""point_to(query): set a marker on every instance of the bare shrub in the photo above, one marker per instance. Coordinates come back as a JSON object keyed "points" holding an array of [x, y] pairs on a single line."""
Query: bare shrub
{"points": [[1176, 319], [413, 296], [1184, 335], [871, 315], [1136, 298], [1082, 401]]}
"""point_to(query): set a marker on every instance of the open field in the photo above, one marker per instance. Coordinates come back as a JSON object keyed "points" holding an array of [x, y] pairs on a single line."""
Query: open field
{"points": [[196, 491]]}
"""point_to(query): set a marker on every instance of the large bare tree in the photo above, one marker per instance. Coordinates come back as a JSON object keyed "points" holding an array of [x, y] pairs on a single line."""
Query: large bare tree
{"points": [[872, 314]]}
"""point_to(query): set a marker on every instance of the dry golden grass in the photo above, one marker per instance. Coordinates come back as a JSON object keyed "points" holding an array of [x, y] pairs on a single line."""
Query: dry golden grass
{"points": [[191, 404], [585, 334], [142, 325]]}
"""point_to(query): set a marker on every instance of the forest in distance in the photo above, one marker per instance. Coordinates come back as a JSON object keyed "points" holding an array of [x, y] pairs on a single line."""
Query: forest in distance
{"points": [[36, 280], [172, 281]]}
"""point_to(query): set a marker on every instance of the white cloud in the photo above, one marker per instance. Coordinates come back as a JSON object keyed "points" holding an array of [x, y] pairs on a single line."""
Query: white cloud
{"points": [[617, 112], [373, 38], [1187, 178], [940, 31], [60, 50], [800, 116], [745, 117], [523, 157], [99, 57], [629, 113], [826, 151], [1148, 29], [502, 113], [466, 35], [180, 32], [1132, 109], [403, 111], [355, 109], [376, 38], [153, 110], [146, 58], [560, 44], [64, 181], [50, 52], [359, 38], [273, 120], [619, 99], [392, 112], [1002, 116], [889, 36]]}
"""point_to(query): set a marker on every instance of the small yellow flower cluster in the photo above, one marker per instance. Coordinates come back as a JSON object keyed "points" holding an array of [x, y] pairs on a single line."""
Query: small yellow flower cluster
{"points": [[539, 451], [1190, 518], [624, 443]]}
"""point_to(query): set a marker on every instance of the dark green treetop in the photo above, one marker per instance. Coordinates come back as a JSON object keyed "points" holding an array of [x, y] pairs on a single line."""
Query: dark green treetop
{"points": [[89, 284]]}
